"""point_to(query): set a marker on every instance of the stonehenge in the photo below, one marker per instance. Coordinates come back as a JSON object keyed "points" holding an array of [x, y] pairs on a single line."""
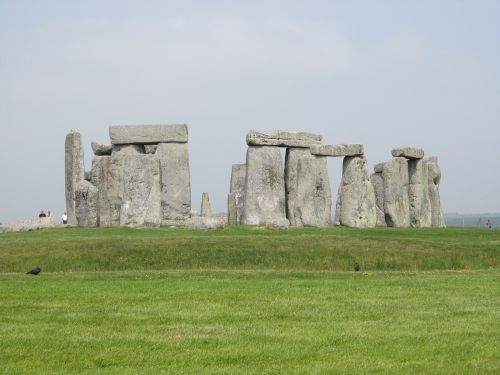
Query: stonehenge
{"points": [[141, 178]]}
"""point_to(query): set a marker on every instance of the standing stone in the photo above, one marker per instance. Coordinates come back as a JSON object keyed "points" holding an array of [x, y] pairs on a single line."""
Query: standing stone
{"points": [[396, 202], [141, 185], [206, 209], [74, 171], [378, 187], [418, 194], [313, 205], [434, 179], [357, 206], [175, 182], [236, 194], [264, 187], [86, 204], [307, 185]]}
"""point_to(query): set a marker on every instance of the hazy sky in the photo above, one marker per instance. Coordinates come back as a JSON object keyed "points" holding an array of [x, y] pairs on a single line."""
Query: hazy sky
{"points": [[381, 73]]}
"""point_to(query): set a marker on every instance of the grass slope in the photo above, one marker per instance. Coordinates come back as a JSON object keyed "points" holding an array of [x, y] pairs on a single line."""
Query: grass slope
{"points": [[250, 322], [107, 249]]}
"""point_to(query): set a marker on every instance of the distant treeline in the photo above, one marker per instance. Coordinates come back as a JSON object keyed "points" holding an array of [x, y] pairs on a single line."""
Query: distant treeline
{"points": [[472, 220]]}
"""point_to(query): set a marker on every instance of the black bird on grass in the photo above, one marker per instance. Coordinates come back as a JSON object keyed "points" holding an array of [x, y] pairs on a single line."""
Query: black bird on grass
{"points": [[34, 271], [357, 267]]}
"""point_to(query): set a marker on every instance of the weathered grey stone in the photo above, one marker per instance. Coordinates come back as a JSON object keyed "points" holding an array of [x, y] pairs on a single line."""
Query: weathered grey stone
{"points": [[206, 222], [101, 149], [338, 150], [308, 194], [396, 202], [141, 198], [25, 225], [282, 138], [408, 152], [357, 206], [206, 209], [236, 193], [127, 150], [144, 134], [338, 204], [378, 168], [74, 171], [378, 187], [175, 182], [434, 179], [86, 204], [264, 186], [150, 149], [418, 194]]}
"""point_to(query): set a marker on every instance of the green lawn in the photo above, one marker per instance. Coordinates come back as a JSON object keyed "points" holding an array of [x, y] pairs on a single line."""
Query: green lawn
{"points": [[249, 300]]}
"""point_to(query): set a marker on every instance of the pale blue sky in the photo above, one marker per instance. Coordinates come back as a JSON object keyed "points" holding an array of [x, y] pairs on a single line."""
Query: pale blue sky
{"points": [[381, 73]]}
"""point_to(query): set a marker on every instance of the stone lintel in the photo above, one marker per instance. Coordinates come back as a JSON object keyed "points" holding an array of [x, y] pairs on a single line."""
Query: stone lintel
{"points": [[282, 138], [408, 152], [148, 134], [338, 150]]}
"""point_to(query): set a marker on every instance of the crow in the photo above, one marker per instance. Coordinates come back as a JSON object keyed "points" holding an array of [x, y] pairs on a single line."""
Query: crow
{"points": [[34, 271], [357, 267]]}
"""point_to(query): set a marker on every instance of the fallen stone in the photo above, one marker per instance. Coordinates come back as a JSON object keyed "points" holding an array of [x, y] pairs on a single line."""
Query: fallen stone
{"points": [[408, 152], [206, 209], [282, 138], [175, 182], [74, 171], [206, 222], [418, 194], [236, 193], [357, 207], [434, 179], [141, 185], [396, 202], [308, 194], [264, 186], [101, 149], [86, 204], [338, 150], [144, 134], [378, 187]]}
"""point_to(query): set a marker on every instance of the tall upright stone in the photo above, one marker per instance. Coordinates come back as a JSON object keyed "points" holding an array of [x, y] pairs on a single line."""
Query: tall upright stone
{"points": [[141, 192], [418, 194], [86, 204], [74, 171], [236, 195], [378, 187], [434, 179], [206, 209], [396, 202], [308, 194], [264, 187], [175, 182], [357, 207]]}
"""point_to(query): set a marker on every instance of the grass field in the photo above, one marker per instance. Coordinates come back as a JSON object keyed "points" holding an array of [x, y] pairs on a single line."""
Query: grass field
{"points": [[247, 300]]}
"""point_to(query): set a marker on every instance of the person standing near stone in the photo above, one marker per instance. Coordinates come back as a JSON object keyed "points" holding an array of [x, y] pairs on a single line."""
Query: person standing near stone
{"points": [[42, 214], [64, 218]]}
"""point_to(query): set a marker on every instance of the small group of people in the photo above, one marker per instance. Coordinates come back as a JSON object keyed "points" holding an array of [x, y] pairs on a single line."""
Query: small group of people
{"points": [[488, 224], [64, 216]]}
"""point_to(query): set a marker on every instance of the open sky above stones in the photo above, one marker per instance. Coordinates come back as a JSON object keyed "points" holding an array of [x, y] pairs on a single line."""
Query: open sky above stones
{"points": [[382, 73]]}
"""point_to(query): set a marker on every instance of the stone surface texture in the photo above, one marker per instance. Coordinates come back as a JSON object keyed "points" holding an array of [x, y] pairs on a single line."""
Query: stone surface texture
{"points": [[236, 193], [396, 202], [418, 194], [25, 225], [378, 168], [408, 152], [200, 222], [308, 193], [434, 179], [86, 204], [127, 150], [282, 138], [206, 208], [141, 192], [175, 182], [357, 207], [150, 149], [101, 149], [338, 150], [378, 187], [264, 187], [144, 134], [74, 171]]}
